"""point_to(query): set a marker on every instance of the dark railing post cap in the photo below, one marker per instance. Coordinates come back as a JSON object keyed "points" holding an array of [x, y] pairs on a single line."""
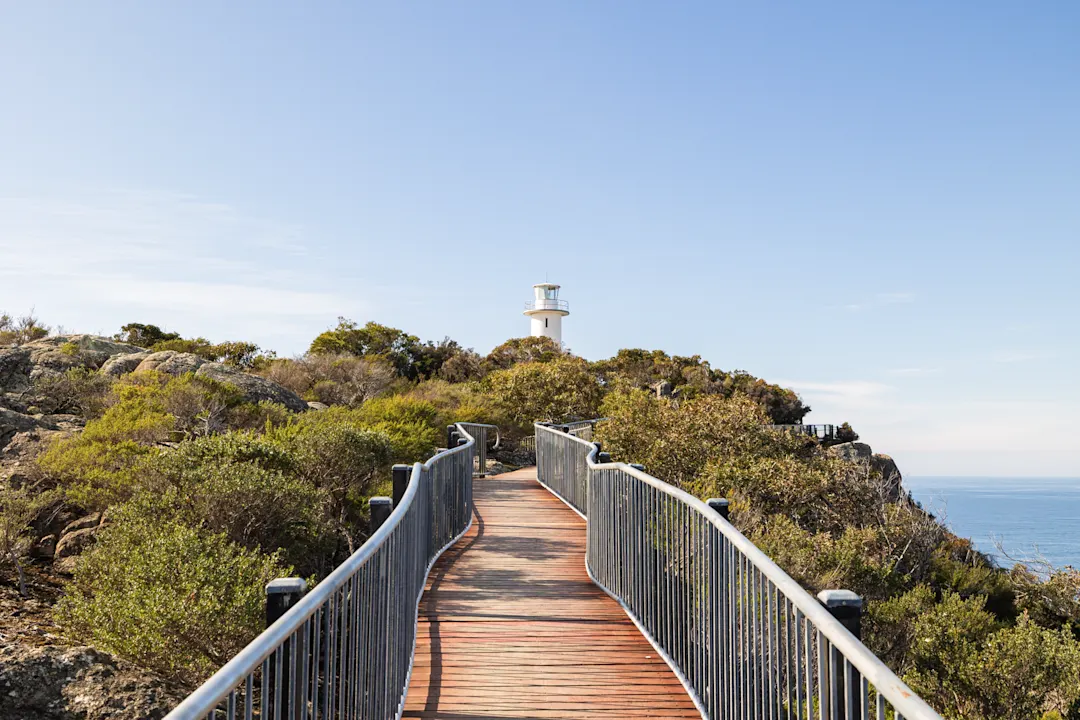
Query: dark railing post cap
{"points": [[380, 500], [638, 466], [603, 457], [286, 586], [721, 506], [840, 599]]}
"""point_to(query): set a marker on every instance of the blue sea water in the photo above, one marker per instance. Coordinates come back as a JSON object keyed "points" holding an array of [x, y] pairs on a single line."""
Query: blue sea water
{"points": [[1025, 515]]}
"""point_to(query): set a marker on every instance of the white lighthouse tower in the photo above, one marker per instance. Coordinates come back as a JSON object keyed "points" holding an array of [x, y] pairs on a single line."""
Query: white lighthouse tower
{"points": [[546, 312]]}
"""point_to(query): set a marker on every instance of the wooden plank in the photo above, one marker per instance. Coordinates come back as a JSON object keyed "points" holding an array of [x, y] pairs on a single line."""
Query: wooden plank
{"points": [[511, 626]]}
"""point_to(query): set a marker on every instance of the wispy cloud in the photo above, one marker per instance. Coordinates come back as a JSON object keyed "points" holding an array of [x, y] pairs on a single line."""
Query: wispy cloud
{"points": [[159, 257], [889, 298], [913, 371], [1016, 356], [895, 298], [841, 393]]}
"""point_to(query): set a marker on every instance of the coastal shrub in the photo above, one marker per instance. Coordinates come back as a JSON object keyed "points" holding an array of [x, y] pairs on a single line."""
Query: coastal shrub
{"points": [[252, 505], [98, 467], [143, 335], [78, 391], [458, 403], [19, 507], [1051, 596], [517, 351], [173, 598], [462, 367], [412, 425], [344, 459], [565, 388], [373, 340], [677, 442], [966, 665], [333, 379], [19, 331]]}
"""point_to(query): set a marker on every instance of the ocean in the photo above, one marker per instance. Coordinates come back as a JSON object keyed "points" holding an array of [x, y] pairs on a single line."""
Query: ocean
{"points": [[1024, 515]]}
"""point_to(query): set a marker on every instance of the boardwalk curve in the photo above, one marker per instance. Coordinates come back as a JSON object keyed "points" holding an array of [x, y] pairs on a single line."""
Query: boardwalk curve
{"points": [[511, 626]]}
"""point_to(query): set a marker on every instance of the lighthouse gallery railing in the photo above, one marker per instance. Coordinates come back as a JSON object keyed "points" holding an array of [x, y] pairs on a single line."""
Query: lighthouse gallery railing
{"points": [[746, 640], [346, 649]]}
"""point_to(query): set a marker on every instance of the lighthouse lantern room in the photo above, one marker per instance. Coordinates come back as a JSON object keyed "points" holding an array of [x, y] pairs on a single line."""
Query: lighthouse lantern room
{"points": [[546, 311]]}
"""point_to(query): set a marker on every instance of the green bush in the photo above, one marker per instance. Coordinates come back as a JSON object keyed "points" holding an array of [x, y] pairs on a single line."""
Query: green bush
{"points": [[967, 666], [252, 503], [412, 425], [78, 391], [173, 598], [565, 388], [342, 457], [677, 442], [97, 467]]}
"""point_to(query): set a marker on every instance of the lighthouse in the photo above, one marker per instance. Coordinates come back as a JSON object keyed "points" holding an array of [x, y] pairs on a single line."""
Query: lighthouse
{"points": [[546, 312]]}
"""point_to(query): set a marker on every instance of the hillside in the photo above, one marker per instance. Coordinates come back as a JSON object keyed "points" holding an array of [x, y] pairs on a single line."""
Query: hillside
{"points": [[150, 485]]}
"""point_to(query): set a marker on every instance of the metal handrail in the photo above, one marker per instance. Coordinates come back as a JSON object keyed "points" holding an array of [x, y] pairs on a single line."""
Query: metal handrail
{"points": [[480, 432], [347, 646], [745, 639], [548, 305]]}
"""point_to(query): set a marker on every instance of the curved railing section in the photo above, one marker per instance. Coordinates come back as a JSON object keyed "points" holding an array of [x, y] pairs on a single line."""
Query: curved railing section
{"points": [[346, 648], [745, 639]]}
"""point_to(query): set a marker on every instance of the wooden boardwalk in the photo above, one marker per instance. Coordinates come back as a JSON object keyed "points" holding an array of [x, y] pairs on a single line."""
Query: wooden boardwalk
{"points": [[511, 626]]}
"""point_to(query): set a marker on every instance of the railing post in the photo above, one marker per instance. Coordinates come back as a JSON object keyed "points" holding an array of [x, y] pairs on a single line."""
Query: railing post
{"points": [[603, 458], [380, 507], [846, 687], [720, 506], [401, 474], [282, 594], [451, 430]]}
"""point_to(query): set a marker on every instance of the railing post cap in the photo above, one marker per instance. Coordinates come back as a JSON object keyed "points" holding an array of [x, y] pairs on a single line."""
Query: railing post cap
{"points": [[840, 599], [715, 503], [380, 500], [286, 586], [398, 466], [637, 466]]}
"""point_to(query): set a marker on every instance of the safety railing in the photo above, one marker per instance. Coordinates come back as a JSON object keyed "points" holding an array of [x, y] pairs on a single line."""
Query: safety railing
{"points": [[345, 650], [548, 304], [746, 640], [482, 434]]}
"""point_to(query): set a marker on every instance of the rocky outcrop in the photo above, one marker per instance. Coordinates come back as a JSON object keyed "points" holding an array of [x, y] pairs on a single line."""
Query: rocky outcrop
{"points": [[55, 682], [171, 362], [13, 423], [255, 388], [15, 369], [53, 355], [122, 364], [884, 465], [77, 536], [61, 352]]}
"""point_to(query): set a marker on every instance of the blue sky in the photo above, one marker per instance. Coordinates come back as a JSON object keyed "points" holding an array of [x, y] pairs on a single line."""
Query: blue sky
{"points": [[877, 205]]}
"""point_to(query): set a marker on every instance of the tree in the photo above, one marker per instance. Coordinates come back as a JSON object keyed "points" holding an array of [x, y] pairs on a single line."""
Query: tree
{"points": [[399, 348], [562, 389], [22, 330], [144, 335], [522, 350], [465, 366]]}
